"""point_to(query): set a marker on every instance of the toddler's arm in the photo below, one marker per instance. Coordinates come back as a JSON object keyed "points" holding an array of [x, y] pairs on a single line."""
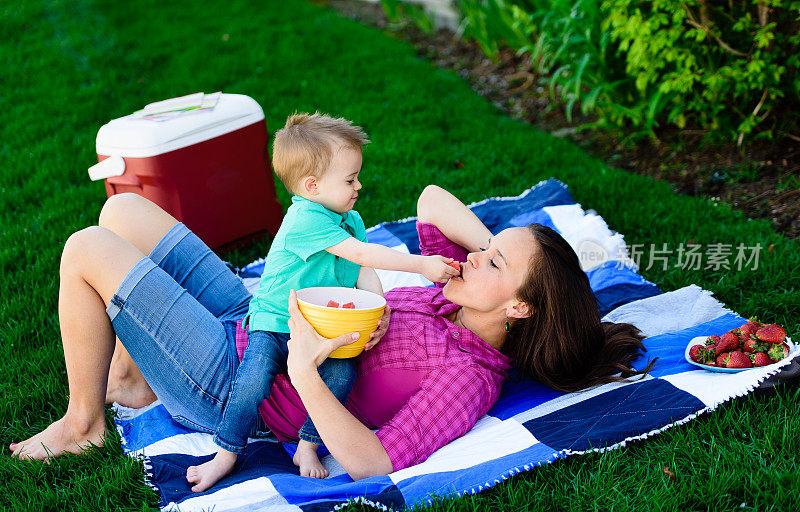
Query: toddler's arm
{"points": [[368, 280], [434, 268]]}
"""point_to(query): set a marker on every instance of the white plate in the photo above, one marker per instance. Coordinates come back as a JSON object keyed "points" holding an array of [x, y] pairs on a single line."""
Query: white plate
{"points": [[701, 340]]}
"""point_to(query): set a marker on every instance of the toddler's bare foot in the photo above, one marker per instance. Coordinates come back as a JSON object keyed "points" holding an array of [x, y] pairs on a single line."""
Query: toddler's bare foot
{"points": [[62, 436], [306, 459], [206, 475]]}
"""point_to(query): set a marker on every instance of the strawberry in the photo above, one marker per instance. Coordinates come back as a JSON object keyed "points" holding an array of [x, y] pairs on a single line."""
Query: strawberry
{"points": [[772, 333], [708, 355], [349, 305], [749, 328], [456, 265], [739, 359], [712, 340], [760, 359], [753, 344], [728, 341], [722, 359], [333, 304], [778, 351], [694, 353]]}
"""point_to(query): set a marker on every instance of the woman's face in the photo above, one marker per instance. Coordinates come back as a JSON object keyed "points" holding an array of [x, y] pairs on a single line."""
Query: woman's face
{"points": [[491, 277]]}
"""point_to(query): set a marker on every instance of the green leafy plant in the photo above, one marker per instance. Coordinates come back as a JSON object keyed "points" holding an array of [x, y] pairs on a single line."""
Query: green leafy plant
{"points": [[791, 183], [728, 69], [400, 12], [724, 66], [747, 172]]}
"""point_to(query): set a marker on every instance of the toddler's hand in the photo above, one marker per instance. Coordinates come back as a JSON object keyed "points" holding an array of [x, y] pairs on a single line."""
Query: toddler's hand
{"points": [[436, 269], [383, 325]]}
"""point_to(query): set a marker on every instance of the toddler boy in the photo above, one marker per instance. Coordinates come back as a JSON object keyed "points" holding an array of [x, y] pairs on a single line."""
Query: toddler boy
{"points": [[321, 242]]}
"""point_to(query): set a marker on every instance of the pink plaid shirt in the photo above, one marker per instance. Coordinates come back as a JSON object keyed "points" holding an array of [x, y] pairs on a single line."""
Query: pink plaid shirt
{"points": [[426, 383]]}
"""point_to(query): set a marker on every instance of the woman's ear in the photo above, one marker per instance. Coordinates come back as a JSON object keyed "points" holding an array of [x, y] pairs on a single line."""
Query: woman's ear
{"points": [[519, 310], [309, 185]]}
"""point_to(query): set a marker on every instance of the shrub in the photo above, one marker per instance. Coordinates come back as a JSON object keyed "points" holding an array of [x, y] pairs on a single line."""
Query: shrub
{"points": [[727, 68], [724, 66]]}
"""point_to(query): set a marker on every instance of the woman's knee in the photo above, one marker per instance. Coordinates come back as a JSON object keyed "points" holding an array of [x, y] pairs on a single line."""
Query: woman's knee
{"points": [[136, 219], [120, 209], [100, 257], [79, 245]]}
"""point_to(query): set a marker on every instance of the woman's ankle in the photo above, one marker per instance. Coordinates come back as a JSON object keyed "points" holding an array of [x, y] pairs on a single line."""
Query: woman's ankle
{"points": [[83, 423]]}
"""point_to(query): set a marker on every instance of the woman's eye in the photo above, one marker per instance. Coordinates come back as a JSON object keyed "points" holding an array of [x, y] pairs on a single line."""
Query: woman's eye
{"points": [[491, 262], [350, 182]]}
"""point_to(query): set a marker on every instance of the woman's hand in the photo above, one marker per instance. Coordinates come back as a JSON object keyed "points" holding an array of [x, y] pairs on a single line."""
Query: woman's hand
{"points": [[383, 325], [307, 349], [353, 445]]}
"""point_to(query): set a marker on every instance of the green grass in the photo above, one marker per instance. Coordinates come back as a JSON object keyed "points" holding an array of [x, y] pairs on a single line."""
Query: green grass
{"points": [[72, 65]]}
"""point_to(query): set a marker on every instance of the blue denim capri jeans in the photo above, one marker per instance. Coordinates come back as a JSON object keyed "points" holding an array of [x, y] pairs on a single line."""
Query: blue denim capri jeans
{"points": [[175, 312]]}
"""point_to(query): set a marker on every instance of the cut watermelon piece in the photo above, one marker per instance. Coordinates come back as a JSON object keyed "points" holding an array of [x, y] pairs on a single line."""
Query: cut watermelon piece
{"points": [[333, 304], [349, 305]]}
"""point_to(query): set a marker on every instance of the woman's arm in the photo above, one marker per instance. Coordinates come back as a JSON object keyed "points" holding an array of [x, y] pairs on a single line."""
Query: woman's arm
{"points": [[353, 445], [439, 207]]}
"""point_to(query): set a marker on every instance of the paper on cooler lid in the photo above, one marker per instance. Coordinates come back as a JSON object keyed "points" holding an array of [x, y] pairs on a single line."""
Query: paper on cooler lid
{"points": [[134, 137]]}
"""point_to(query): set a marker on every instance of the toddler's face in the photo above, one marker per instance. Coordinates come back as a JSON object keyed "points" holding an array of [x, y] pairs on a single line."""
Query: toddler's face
{"points": [[338, 188]]}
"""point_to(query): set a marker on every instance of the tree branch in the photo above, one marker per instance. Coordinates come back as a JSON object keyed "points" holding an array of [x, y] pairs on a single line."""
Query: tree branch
{"points": [[708, 30], [763, 14]]}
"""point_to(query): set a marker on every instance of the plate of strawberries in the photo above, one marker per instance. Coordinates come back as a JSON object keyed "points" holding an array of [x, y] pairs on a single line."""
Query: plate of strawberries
{"points": [[752, 345]]}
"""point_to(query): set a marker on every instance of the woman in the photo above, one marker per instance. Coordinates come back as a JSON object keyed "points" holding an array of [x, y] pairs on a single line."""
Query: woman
{"points": [[522, 298]]}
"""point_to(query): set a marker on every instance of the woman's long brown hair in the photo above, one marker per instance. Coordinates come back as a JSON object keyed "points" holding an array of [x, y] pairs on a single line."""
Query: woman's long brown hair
{"points": [[563, 344]]}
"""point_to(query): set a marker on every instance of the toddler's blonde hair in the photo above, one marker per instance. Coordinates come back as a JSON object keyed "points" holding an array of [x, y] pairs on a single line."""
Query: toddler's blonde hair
{"points": [[303, 146]]}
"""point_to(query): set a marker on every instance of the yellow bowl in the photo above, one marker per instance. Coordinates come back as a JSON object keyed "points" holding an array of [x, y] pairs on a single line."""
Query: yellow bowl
{"points": [[333, 322]]}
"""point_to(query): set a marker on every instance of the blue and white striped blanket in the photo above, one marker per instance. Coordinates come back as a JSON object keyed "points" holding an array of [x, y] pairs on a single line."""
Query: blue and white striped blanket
{"points": [[530, 424]]}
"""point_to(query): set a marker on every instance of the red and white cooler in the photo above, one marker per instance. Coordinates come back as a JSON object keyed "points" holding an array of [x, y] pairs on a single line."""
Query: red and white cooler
{"points": [[210, 169]]}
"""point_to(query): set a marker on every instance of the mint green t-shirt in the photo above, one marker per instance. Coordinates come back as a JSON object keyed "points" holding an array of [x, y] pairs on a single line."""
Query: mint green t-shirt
{"points": [[297, 259]]}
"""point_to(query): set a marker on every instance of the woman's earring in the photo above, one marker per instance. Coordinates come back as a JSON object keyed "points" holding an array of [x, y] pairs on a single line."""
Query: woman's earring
{"points": [[507, 326]]}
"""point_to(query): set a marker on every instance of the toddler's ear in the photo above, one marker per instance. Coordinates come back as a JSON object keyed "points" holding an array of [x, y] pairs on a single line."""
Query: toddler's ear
{"points": [[309, 185]]}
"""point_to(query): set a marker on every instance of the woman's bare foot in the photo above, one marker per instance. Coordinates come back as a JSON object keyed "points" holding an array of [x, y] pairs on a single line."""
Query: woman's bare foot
{"points": [[306, 459], [131, 393], [207, 474], [126, 384], [62, 436]]}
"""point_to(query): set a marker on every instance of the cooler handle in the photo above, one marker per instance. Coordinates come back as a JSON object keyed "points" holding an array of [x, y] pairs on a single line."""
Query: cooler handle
{"points": [[129, 179], [111, 166]]}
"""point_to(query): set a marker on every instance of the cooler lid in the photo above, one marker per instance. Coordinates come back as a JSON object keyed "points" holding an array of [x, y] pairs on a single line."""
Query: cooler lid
{"points": [[131, 136]]}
